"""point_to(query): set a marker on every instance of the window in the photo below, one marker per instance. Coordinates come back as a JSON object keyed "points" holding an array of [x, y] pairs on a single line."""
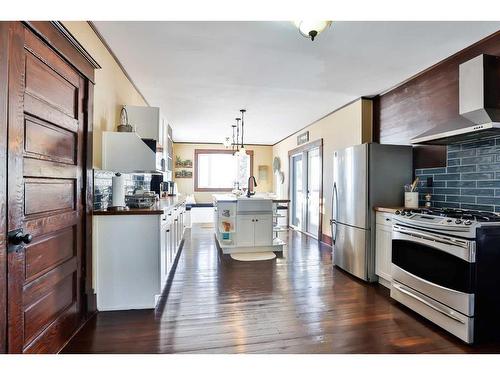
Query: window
{"points": [[219, 170]]}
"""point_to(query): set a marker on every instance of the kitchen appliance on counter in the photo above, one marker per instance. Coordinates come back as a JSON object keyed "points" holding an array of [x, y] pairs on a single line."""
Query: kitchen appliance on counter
{"points": [[170, 187], [445, 266], [141, 199], [364, 176]]}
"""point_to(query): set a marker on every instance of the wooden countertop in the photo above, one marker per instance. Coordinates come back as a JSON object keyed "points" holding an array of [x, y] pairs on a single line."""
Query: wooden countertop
{"points": [[164, 204]]}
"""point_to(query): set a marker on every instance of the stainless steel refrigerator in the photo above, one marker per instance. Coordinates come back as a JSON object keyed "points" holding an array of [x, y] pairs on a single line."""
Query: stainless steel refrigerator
{"points": [[365, 176]]}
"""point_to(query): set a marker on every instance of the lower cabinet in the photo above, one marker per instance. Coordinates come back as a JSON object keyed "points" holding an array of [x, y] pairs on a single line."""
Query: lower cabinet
{"points": [[383, 246], [172, 231], [254, 230]]}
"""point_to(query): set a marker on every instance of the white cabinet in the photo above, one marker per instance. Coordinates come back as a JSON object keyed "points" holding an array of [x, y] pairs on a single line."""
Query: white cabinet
{"points": [[383, 246], [263, 230], [147, 122], [245, 230], [254, 230]]}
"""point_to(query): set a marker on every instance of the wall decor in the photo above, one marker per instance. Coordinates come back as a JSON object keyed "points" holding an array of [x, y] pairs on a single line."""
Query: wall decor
{"points": [[303, 138], [183, 174], [179, 163]]}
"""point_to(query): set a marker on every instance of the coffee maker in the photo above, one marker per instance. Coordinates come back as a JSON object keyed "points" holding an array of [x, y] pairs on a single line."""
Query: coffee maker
{"points": [[170, 187]]}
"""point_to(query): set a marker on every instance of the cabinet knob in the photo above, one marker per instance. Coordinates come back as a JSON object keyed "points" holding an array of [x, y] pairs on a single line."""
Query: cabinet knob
{"points": [[387, 219]]}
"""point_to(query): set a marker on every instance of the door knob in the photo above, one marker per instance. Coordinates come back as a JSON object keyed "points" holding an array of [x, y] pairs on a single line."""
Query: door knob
{"points": [[18, 237]]}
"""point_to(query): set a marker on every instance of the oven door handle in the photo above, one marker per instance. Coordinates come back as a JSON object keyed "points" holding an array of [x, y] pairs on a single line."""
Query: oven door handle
{"points": [[435, 237], [427, 303]]}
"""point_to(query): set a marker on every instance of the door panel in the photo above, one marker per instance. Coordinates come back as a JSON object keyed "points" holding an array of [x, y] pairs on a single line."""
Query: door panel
{"points": [[263, 230], [46, 161], [349, 251], [313, 191], [350, 177], [245, 230]]}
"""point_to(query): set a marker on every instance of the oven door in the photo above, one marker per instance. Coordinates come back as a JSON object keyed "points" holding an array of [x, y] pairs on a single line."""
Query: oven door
{"points": [[438, 266]]}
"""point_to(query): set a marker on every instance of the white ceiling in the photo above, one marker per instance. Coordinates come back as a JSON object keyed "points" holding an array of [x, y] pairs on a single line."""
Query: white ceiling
{"points": [[202, 73]]}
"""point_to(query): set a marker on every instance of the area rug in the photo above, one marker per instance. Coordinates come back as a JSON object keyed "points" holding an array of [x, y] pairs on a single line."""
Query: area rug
{"points": [[251, 257]]}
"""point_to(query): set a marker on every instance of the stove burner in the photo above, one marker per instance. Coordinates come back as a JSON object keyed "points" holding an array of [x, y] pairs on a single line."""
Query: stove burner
{"points": [[455, 213]]}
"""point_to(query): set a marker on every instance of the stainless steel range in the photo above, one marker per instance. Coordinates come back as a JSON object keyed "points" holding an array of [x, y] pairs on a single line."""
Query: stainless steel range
{"points": [[446, 267]]}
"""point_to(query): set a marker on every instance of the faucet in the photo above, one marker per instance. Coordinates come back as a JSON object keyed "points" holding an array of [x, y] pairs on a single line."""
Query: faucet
{"points": [[250, 193]]}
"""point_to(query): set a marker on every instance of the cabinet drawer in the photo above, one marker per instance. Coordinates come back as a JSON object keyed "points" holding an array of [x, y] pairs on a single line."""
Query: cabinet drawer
{"points": [[383, 218]]}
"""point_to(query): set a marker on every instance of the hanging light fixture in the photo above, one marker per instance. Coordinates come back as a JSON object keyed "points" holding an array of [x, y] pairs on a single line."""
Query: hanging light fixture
{"points": [[242, 149], [232, 144], [237, 153], [311, 29]]}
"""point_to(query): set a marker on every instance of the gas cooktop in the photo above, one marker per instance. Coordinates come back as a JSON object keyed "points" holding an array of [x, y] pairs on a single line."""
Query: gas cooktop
{"points": [[460, 215]]}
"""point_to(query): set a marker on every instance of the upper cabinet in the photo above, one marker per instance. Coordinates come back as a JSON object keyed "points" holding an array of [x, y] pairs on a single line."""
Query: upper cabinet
{"points": [[147, 122]]}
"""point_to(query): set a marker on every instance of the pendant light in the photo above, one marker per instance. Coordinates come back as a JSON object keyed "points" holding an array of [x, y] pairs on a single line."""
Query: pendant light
{"points": [[232, 145], [242, 149], [237, 153]]}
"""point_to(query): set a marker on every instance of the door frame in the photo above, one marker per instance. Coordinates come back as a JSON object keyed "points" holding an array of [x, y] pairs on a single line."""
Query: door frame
{"points": [[58, 38], [304, 149]]}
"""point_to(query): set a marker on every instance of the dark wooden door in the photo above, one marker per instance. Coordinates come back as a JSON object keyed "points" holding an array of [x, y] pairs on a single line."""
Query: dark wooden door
{"points": [[45, 184]]}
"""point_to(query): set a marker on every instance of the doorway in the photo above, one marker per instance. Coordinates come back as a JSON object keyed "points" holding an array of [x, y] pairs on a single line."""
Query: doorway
{"points": [[305, 188]]}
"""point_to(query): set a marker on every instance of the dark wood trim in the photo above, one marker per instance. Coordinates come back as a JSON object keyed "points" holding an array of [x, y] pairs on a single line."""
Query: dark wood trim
{"points": [[217, 143], [4, 71], [442, 62], [326, 239], [90, 298], [303, 149], [118, 62], [61, 40], [213, 151]]}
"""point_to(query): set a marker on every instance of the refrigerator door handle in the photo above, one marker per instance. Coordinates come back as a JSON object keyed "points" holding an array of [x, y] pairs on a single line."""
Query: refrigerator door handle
{"points": [[335, 204]]}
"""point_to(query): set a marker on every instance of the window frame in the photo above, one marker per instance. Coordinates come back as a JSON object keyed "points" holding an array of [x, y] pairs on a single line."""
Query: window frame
{"points": [[198, 152]]}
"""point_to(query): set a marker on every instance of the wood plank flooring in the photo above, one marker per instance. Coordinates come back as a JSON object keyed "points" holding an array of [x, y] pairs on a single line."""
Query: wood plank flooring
{"points": [[297, 303]]}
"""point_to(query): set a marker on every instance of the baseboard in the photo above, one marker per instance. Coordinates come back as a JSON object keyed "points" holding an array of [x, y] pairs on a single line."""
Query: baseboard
{"points": [[326, 239]]}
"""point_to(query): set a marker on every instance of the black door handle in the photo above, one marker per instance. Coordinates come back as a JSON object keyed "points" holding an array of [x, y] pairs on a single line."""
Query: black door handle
{"points": [[18, 237]]}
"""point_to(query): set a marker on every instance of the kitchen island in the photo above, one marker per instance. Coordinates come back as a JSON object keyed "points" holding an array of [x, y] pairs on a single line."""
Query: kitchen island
{"points": [[135, 251], [245, 224]]}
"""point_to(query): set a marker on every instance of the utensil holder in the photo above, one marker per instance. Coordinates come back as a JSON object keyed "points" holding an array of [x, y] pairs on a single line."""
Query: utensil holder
{"points": [[411, 199]]}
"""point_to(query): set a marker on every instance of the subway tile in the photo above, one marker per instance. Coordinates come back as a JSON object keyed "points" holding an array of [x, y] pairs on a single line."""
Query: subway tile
{"points": [[478, 192], [420, 171], [446, 204], [463, 168], [479, 144], [453, 162], [489, 150], [479, 160], [446, 191], [497, 209], [448, 176], [497, 192], [454, 147], [477, 176], [488, 200], [461, 154], [490, 183], [488, 167], [439, 183], [438, 198], [435, 170], [464, 184], [477, 207], [460, 199]]}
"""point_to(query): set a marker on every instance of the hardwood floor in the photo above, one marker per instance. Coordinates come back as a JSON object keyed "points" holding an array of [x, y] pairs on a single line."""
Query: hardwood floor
{"points": [[297, 303]]}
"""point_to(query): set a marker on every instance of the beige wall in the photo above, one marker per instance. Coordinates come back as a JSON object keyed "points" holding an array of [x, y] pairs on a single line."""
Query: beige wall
{"points": [[112, 87], [346, 127], [263, 155]]}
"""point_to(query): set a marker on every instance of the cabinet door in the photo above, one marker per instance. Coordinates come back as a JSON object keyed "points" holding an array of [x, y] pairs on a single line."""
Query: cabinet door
{"points": [[263, 230], [383, 251], [245, 230]]}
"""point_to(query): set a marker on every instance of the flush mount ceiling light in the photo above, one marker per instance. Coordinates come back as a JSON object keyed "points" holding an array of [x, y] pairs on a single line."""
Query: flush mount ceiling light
{"points": [[310, 29]]}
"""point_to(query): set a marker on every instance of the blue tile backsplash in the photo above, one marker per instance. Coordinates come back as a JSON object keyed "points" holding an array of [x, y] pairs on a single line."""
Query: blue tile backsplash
{"points": [[471, 179]]}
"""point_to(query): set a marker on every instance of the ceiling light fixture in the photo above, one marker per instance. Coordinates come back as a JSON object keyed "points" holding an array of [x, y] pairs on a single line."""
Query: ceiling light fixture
{"points": [[311, 29]]}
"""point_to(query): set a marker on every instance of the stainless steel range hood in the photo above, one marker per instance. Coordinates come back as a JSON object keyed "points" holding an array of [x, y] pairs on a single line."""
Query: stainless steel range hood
{"points": [[479, 105]]}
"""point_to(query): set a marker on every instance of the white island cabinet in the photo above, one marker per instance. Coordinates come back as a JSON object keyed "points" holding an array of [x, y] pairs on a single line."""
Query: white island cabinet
{"points": [[243, 224]]}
